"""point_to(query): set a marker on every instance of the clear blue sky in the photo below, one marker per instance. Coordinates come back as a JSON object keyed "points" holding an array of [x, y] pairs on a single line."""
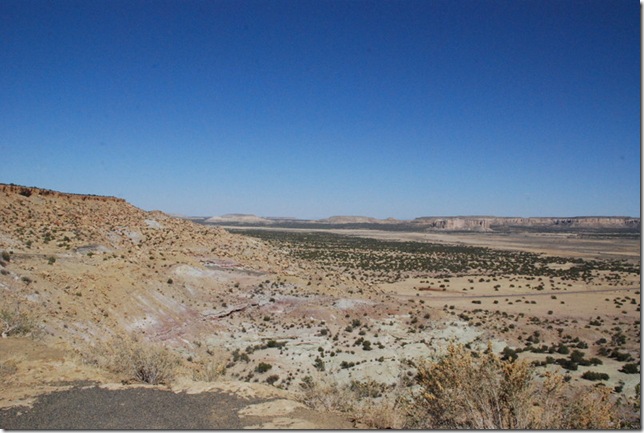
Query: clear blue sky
{"points": [[310, 109]]}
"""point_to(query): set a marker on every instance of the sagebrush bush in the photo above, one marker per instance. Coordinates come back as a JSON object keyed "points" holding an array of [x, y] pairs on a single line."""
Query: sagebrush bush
{"points": [[465, 389], [461, 390], [140, 361], [210, 372], [14, 321], [593, 375], [631, 368], [363, 402]]}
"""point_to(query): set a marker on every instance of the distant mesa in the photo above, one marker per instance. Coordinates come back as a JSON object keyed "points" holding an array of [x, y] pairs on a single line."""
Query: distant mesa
{"points": [[448, 224], [238, 218], [350, 220]]}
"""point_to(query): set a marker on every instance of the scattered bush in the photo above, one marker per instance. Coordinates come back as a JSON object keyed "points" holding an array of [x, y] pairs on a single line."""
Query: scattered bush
{"points": [[263, 367], [563, 349], [272, 379], [345, 364], [275, 344], [631, 368], [577, 356], [509, 354], [621, 356], [567, 364], [319, 364], [593, 375]]}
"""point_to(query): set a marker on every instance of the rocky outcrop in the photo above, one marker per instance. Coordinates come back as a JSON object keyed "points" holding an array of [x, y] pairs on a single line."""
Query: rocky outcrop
{"points": [[28, 191]]}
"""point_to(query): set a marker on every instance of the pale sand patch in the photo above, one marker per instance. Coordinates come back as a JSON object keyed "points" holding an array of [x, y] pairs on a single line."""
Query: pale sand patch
{"points": [[153, 224], [241, 389], [273, 408], [345, 304], [284, 423]]}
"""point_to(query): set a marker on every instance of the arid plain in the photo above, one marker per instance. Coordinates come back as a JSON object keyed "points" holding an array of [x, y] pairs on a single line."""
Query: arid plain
{"points": [[300, 316]]}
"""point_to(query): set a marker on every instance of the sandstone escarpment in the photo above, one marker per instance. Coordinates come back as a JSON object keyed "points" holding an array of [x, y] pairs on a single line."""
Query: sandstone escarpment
{"points": [[448, 223], [544, 223]]}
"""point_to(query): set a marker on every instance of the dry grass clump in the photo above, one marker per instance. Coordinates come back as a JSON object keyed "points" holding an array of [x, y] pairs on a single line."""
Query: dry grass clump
{"points": [[138, 360], [8, 368], [382, 413], [465, 389], [325, 394], [13, 321], [366, 403], [209, 372]]}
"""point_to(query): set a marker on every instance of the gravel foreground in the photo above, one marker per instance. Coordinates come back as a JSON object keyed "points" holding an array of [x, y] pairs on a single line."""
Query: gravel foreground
{"points": [[137, 408]]}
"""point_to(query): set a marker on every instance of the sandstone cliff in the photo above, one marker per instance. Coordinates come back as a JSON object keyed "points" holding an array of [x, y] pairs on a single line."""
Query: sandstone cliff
{"points": [[455, 223], [545, 223]]}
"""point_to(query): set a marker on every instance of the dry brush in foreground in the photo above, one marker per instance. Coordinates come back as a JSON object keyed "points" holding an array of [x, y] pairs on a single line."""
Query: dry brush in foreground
{"points": [[465, 389], [137, 360], [479, 390]]}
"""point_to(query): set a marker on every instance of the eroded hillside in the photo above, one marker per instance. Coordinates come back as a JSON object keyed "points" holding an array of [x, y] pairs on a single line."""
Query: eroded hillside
{"points": [[92, 264]]}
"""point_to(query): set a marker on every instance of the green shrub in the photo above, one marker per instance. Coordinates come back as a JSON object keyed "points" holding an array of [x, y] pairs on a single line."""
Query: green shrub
{"points": [[509, 354], [567, 364], [631, 368], [319, 364], [272, 379], [621, 356], [593, 375], [263, 367], [563, 349], [577, 356], [274, 344]]}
